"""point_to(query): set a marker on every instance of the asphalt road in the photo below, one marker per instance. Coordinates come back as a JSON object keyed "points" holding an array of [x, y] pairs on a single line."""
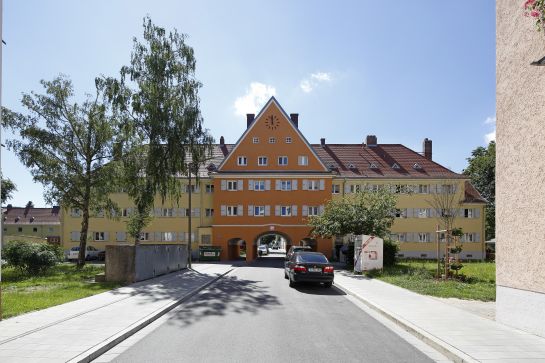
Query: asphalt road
{"points": [[252, 315]]}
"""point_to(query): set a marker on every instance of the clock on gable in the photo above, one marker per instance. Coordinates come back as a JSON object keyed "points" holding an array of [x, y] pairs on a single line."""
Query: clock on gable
{"points": [[272, 122]]}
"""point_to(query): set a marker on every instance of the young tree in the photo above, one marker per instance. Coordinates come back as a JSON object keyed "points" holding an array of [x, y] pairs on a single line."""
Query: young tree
{"points": [[8, 187], [68, 148], [157, 100], [365, 212], [482, 170]]}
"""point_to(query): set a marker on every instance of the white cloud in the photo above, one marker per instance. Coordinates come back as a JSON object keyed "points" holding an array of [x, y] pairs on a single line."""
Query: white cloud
{"points": [[491, 136], [254, 99], [310, 83]]}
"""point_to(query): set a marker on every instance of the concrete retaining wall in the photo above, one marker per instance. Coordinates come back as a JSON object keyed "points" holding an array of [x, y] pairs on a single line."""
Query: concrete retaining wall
{"points": [[137, 263]]}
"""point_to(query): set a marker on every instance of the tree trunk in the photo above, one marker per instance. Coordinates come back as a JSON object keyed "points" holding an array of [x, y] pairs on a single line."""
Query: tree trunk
{"points": [[83, 235]]}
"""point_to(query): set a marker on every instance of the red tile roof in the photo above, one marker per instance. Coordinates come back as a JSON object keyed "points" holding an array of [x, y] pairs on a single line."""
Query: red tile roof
{"points": [[32, 215], [472, 195]]}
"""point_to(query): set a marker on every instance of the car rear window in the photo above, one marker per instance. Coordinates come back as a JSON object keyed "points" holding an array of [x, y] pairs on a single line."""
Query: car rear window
{"points": [[312, 258], [74, 249]]}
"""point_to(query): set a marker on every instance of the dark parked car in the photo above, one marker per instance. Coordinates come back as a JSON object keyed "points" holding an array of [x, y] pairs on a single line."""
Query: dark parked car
{"points": [[309, 267], [294, 249]]}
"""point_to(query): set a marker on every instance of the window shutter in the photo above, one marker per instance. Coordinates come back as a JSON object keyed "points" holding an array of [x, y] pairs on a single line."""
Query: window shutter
{"points": [[277, 210], [106, 236], [223, 184], [477, 213], [157, 212], [250, 185], [278, 185], [477, 237], [428, 212], [305, 185], [410, 213], [223, 210], [267, 185], [197, 212], [157, 236], [240, 212], [75, 236], [347, 188], [294, 185], [305, 211], [321, 210], [322, 184], [250, 210], [181, 236], [299, 160], [431, 237], [240, 186], [293, 210], [267, 210], [197, 188]]}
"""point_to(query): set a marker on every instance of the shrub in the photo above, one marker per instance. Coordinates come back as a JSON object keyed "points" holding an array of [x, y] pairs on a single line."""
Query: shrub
{"points": [[390, 249], [32, 258]]}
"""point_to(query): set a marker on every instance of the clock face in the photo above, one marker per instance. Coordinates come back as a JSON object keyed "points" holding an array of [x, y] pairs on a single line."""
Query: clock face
{"points": [[272, 122]]}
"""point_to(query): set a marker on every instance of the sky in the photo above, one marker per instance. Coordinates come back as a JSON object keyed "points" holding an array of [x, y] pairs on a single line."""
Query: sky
{"points": [[400, 70]]}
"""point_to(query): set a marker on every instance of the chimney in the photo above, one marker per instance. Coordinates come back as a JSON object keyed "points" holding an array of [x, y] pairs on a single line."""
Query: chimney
{"points": [[295, 119], [249, 119], [371, 140], [322, 142], [426, 145], [222, 141], [9, 207]]}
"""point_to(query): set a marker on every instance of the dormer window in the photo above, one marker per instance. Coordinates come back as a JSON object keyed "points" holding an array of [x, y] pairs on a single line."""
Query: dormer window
{"points": [[255, 140], [211, 167], [417, 166], [373, 166], [351, 166], [395, 166]]}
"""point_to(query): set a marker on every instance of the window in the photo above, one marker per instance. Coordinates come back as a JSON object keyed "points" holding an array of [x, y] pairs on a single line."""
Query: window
{"points": [[401, 213], [20, 229], [272, 140], [335, 188], [422, 212], [126, 212], [285, 211], [242, 161], [259, 210], [209, 212], [288, 140], [448, 189], [398, 237], [206, 239], [210, 188], [255, 140], [232, 185], [5, 229], [194, 188], [423, 237], [75, 212], [303, 160], [168, 236], [373, 166], [469, 237], [469, 213], [355, 188], [282, 160], [262, 161], [424, 189], [395, 166], [144, 236], [285, 185], [167, 212], [232, 210], [100, 236], [313, 211], [259, 185], [34, 229]]}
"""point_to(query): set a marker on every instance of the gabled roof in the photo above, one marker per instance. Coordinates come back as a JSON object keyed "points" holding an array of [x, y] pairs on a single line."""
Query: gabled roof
{"points": [[32, 215], [472, 195]]}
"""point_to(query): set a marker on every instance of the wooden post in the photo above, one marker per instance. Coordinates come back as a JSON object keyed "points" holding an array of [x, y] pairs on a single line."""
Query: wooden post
{"points": [[438, 274]]}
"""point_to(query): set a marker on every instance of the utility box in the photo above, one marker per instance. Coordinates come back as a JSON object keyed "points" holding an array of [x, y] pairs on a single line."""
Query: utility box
{"points": [[368, 253], [209, 253]]}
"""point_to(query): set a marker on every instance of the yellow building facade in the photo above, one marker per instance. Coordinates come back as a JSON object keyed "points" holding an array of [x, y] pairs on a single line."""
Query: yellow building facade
{"points": [[272, 179]]}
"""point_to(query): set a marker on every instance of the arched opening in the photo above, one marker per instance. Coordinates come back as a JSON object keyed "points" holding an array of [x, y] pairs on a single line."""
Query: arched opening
{"points": [[236, 249], [311, 242], [277, 244]]}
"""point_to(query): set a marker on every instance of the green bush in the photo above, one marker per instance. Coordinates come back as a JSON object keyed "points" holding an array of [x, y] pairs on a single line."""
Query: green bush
{"points": [[29, 257], [390, 248]]}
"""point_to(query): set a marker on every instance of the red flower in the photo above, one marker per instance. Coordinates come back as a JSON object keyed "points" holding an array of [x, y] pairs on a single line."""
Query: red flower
{"points": [[534, 13]]}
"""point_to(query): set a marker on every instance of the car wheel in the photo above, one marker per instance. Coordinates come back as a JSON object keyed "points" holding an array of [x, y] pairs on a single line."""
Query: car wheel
{"points": [[328, 284]]}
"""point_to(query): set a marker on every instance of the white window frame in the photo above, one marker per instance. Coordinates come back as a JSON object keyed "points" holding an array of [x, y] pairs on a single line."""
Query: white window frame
{"points": [[242, 161], [313, 211], [421, 213], [288, 140], [259, 211], [168, 236], [259, 185], [313, 185], [255, 140], [209, 212], [262, 161], [335, 188], [303, 160], [167, 212], [75, 212], [282, 159], [402, 213], [209, 188], [232, 185], [355, 188], [99, 236], [285, 211], [423, 237], [272, 140], [232, 210], [144, 236], [423, 189], [286, 185], [469, 213]]}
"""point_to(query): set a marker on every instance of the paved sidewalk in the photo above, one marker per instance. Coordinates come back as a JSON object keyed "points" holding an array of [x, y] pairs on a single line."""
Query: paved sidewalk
{"points": [[460, 335], [81, 330]]}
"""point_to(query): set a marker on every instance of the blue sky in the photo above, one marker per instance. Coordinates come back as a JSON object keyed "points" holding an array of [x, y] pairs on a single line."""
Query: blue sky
{"points": [[402, 70]]}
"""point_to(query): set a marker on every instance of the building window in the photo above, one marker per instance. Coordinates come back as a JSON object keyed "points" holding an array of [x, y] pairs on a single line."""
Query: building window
{"points": [[422, 212], [167, 212], [100, 236], [5, 229], [144, 236], [259, 210], [335, 188], [262, 161], [283, 160], [255, 140], [34, 229], [285, 185], [210, 188], [20, 229], [75, 212], [242, 161], [168, 236], [313, 184], [401, 213], [313, 211], [209, 212], [259, 185], [206, 239], [272, 140], [448, 189], [194, 188], [355, 188], [285, 211], [232, 210], [288, 140], [232, 185], [401, 237], [303, 160], [424, 189], [423, 237], [126, 212], [469, 213]]}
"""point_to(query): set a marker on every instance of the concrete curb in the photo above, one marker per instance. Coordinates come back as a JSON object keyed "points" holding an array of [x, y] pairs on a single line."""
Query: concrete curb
{"points": [[441, 346], [117, 338]]}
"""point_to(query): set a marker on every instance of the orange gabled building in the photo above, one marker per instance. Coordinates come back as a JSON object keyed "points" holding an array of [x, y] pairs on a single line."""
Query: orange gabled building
{"points": [[269, 182]]}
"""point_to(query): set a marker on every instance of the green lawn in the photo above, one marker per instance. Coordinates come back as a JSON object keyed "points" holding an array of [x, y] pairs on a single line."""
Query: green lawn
{"points": [[22, 293], [418, 276]]}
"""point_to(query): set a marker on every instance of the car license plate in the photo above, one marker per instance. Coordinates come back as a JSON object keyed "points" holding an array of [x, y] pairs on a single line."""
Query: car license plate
{"points": [[315, 269]]}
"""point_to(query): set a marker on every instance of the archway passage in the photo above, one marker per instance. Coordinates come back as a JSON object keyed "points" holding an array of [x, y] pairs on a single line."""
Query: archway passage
{"points": [[277, 244], [236, 249]]}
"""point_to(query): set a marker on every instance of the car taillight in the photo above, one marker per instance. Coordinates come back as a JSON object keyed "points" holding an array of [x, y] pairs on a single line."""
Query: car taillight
{"points": [[328, 269], [299, 268]]}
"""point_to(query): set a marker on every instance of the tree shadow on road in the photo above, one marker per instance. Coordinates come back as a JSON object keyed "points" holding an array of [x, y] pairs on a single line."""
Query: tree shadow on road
{"points": [[230, 295]]}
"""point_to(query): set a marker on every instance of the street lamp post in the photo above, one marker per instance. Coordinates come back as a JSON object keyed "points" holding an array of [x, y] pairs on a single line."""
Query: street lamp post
{"points": [[190, 166]]}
